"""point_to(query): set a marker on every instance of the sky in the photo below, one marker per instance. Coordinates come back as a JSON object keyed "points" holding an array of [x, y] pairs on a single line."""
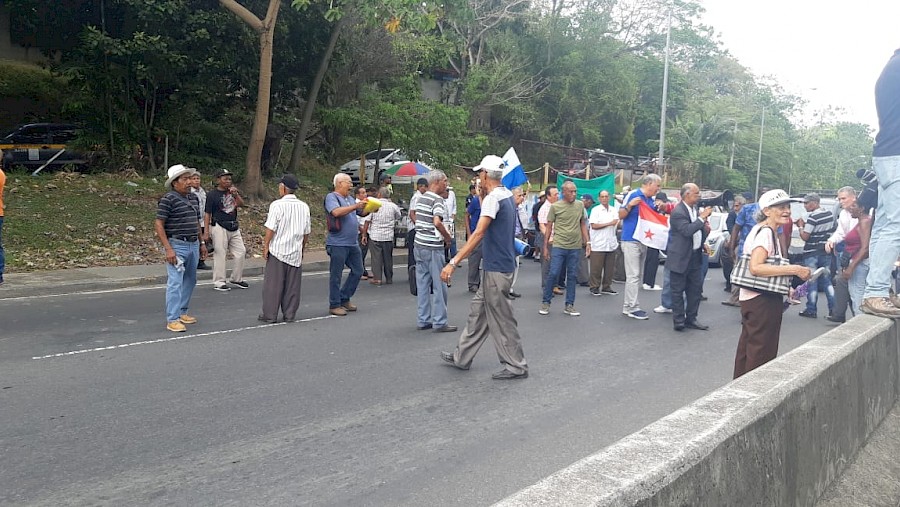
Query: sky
{"points": [[829, 53]]}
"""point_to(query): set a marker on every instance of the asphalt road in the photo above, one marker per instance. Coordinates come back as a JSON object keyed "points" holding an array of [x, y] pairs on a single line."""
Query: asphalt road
{"points": [[100, 405]]}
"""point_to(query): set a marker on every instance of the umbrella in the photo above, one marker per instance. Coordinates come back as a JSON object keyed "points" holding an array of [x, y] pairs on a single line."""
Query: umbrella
{"points": [[407, 169]]}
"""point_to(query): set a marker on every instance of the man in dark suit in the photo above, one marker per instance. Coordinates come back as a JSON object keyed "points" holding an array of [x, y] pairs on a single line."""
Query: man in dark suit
{"points": [[684, 257]]}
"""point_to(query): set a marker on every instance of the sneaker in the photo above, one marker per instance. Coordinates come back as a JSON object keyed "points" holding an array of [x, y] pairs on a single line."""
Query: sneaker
{"points": [[596, 292], [648, 287], [222, 288], [350, 307], [639, 315], [810, 315], [881, 307], [339, 311], [662, 309], [571, 311], [545, 309], [187, 319], [202, 266], [242, 284], [176, 327], [608, 291]]}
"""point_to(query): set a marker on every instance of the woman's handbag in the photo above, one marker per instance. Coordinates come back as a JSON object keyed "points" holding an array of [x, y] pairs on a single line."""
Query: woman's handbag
{"points": [[742, 277]]}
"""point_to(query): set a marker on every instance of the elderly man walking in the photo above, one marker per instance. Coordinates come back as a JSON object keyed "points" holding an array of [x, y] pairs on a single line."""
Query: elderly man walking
{"points": [[491, 313], [177, 226], [687, 233], [633, 251], [432, 237], [287, 232], [342, 245], [566, 224]]}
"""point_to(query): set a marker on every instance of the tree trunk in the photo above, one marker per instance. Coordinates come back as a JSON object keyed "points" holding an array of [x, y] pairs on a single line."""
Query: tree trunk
{"points": [[309, 108]]}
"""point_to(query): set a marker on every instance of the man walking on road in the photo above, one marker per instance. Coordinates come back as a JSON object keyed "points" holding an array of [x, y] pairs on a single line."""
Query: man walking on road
{"points": [[221, 222], [177, 226], [815, 232], [432, 237], [342, 245], [687, 235], [287, 232], [566, 225], [491, 312]]}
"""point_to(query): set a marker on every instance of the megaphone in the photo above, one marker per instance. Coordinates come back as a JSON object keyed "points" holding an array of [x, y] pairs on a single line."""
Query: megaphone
{"points": [[724, 199]]}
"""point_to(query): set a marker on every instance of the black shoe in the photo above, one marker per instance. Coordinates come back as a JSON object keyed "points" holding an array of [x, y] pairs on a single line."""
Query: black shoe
{"points": [[242, 284], [262, 318], [808, 315], [727, 288], [514, 295], [585, 284], [447, 357], [596, 292], [505, 374], [832, 318], [679, 327], [202, 265], [423, 328], [608, 291], [445, 329], [703, 298], [473, 289], [696, 325]]}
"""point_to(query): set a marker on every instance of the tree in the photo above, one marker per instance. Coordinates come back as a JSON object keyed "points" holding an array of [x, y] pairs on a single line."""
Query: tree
{"points": [[266, 29]]}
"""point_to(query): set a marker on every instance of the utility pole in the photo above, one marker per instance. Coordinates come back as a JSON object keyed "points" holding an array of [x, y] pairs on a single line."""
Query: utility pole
{"points": [[665, 92], [762, 127]]}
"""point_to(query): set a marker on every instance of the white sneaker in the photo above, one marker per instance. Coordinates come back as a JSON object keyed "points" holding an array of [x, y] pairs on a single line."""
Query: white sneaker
{"points": [[662, 309], [655, 287]]}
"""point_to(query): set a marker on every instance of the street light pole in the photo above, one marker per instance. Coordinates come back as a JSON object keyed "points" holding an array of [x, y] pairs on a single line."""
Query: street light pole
{"points": [[665, 92], [762, 127]]}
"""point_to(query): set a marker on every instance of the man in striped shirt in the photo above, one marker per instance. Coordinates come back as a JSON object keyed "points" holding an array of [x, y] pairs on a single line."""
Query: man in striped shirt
{"points": [[815, 231], [380, 231], [287, 232], [432, 237], [178, 227]]}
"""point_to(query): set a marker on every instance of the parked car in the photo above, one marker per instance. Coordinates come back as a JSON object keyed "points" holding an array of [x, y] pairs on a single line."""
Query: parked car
{"points": [[385, 158], [719, 235], [35, 144]]}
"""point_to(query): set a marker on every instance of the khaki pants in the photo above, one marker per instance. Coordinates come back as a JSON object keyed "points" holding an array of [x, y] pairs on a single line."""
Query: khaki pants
{"points": [[225, 241], [603, 265]]}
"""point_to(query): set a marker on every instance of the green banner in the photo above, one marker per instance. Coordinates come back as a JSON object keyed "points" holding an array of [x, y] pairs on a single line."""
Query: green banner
{"points": [[592, 186]]}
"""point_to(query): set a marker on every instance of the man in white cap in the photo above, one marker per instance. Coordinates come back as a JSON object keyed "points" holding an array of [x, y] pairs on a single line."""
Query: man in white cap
{"points": [[491, 312], [178, 227]]}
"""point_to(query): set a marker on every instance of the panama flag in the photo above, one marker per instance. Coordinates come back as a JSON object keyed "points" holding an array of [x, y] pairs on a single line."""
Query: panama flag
{"points": [[652, 228], [513, 174]]}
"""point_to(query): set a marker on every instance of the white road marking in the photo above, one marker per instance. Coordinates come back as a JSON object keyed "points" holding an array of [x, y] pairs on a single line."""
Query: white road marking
{"points": [[176, 338]]}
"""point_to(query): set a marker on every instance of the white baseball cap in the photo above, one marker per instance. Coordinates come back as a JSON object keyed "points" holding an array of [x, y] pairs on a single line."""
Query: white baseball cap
{"points": [[774, 198]]}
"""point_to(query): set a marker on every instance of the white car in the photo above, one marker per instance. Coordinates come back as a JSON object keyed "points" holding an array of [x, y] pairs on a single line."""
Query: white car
{"points": [[386, 157], [718, 236]]}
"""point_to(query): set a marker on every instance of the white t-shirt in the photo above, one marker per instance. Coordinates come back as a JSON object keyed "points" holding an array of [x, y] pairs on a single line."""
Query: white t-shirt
{"points": [[603, 240]]}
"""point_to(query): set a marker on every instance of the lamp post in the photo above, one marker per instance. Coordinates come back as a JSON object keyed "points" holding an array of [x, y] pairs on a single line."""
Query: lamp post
{"points": [[665, 92], [762, 127]]}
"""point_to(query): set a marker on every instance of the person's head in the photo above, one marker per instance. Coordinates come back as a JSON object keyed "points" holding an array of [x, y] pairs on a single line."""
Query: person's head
{"points": [[518, 195], [588, 200], [775, 207], [846, 196], [179, 178], [490, 168], [385, 179], [223, 179], [195, 180], [437, 181], [650, 184], [472, 189], [361, 193], [569, 191], [384, 193], [552, 194], [288, 185], [342, 184], [542, 196], [811, 201], [856, 209], [604, 197], [690, 194], [762, 190], [739, 202], [422, 185]]}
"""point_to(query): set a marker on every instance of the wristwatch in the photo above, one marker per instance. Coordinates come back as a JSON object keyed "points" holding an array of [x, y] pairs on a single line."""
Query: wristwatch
{"points": [[452, 263]]}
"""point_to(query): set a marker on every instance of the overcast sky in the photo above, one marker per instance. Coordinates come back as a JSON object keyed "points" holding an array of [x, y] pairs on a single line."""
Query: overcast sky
{"points": [[830, 53]]}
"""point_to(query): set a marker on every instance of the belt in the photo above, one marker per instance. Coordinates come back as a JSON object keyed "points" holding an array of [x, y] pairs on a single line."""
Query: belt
{"points": [[189, 239]]}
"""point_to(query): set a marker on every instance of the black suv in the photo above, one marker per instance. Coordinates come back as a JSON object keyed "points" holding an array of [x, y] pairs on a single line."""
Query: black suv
{"points": [[35, 144]]}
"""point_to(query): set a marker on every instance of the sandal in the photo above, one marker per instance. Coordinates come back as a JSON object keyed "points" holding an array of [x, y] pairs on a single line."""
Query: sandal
{"points": [[375, 282]]}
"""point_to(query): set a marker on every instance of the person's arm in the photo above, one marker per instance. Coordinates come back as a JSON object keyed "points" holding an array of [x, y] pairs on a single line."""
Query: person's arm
{"points": [[346, 210], [758, 266], [546, 250], [735, 236], [238, 200], [585, 237], [266, 240], [625, 210], [160, 227], [439, 227], [207, 217], [203, 252], [474, 240], [364, 233]]}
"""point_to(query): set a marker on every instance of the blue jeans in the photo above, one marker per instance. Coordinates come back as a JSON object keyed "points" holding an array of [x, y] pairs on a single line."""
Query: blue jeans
{"points": [[885, 242], [180, 285], [559, 257], [823, 283], [2, 253], [665, 297], [431, 305], [341, 256], [857, 285]]}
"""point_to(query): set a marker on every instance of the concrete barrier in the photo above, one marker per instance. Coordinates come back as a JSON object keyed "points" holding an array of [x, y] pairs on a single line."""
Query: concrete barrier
{"points": [[776, 436]]}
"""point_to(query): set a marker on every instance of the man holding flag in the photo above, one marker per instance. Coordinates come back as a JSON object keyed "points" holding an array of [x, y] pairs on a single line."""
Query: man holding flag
{"points": [[638, 229]]}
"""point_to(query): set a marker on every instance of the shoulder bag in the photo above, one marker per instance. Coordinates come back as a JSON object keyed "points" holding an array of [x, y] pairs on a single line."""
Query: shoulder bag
{"points": [[742, 277], [333, 222]]}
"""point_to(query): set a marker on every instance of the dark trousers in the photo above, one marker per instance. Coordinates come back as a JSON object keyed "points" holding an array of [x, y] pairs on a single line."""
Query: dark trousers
{"points": [[686, 286], [760, 332], [383, 260], [281, 288], [364, 250], [603, 264], [341, 256], [651, 266], [726, 260], [475, 267]]}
